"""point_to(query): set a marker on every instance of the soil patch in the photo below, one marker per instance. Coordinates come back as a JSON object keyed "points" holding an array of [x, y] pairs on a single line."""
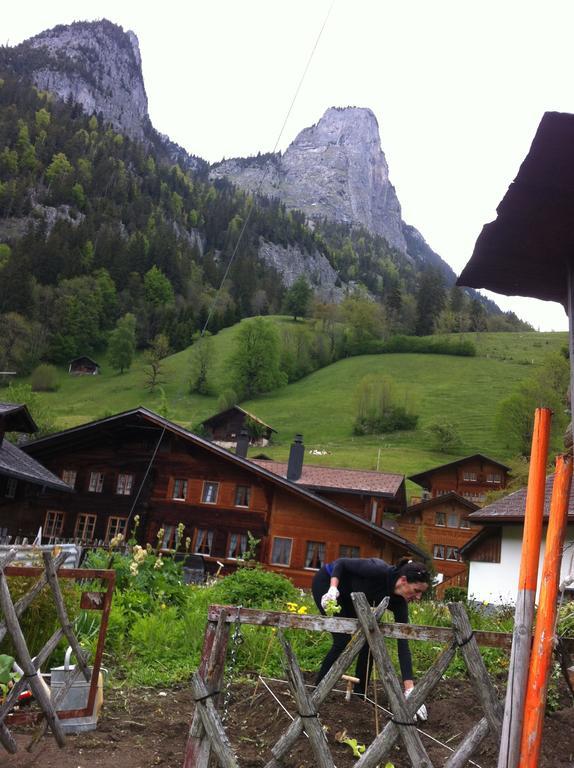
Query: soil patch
{"points": [[143, 728]]}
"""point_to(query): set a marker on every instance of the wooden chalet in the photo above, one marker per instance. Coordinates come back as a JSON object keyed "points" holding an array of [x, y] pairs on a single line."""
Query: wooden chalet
{"points": [[21, 477], [444, 524], [494, 553], [226, 427], [471, 477], [83, 366], [138, 463], [374, 496]]}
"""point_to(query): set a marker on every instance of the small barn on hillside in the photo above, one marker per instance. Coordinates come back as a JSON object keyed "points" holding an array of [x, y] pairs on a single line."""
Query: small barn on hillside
{"points": [[225, 427], [494, 553], [83, 366]]}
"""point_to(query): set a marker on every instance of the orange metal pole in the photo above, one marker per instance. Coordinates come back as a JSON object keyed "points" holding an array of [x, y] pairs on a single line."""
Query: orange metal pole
{"points": [[527, 581], [542, 647]]}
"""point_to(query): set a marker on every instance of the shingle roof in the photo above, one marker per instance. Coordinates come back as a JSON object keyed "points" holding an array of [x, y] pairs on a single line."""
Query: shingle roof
{"points": [[17, 464], [353, 480], [154, 418], [15, 417], [451, 496], [511, 508], [221, 414]]}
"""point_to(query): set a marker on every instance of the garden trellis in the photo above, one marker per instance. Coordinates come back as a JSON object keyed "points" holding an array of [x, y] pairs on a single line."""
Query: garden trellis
{"points": [[207, 732], [49, 576]]}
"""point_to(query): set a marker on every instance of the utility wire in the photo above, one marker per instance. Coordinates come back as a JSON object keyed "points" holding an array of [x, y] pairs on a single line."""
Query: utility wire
{"points": [[265, 171]]}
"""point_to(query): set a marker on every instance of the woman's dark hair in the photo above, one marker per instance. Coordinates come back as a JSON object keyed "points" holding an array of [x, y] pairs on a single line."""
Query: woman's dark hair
{"points": [[413, 570]]}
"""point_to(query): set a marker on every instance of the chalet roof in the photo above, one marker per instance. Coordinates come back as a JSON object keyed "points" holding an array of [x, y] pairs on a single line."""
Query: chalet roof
{"points": [[436, 500], [351, 480], [527, 250], [485, 533], [510, 509], [81, 358], [421, 476], [15, 417], [20, 466], [222, 415], [76, 435]]}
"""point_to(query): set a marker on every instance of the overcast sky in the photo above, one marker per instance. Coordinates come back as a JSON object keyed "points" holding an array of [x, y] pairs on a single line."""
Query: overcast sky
{"points": [[458, 88]]}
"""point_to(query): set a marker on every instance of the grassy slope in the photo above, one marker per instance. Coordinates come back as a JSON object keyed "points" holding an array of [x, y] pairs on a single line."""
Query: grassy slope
{"points": [[321, 406]]}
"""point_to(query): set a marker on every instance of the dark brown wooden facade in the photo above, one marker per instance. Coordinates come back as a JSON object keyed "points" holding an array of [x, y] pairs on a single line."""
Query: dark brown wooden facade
{"points": [[225, 427], [471, 477], [83, 366], [138, 463], [444, 523]]}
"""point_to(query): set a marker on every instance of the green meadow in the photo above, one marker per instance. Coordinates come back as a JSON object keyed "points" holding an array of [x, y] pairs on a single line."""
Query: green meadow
{"points": [[464, 390]]}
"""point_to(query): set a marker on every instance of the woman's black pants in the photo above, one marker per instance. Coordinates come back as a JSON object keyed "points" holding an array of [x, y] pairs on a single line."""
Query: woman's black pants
{"points": [[320, 586]]}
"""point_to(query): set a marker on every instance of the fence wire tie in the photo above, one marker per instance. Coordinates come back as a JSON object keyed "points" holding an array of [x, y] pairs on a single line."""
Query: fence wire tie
{"points": [[207, 696], [308, 717], [400, 722], [465, 642]]}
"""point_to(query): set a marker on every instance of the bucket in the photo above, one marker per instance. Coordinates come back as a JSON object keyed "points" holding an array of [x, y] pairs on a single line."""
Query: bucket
{"points": [[76, 696]]}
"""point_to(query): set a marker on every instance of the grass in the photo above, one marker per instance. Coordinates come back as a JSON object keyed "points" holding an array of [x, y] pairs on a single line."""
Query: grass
{"points": [[464, 390]]}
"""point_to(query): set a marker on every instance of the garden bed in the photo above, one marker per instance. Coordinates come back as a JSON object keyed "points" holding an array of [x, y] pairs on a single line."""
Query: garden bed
{"points": [[145, 727]]}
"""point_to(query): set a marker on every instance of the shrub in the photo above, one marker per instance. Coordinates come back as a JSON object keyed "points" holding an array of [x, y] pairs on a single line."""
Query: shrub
{"points": [[444, 436], [455, 595], [45, 378], [254, 588]]}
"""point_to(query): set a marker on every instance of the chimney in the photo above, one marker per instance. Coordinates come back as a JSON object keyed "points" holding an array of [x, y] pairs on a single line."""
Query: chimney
{"points": [[242, 444], [296, 454]]}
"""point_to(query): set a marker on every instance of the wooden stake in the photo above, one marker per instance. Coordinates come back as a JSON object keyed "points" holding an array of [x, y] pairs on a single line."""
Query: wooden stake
{"points": [[546, 618], [523, 618]]}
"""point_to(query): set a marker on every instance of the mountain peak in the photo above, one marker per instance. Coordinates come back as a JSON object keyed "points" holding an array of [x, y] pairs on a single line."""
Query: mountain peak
{"points": [[97, 65]]}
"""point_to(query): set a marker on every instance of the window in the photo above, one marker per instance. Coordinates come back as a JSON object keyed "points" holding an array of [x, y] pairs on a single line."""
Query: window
{"points": [[493, 477], [53, 524], [96, 484], [169, 540], [203, 542], [346, 550], [453, 520], [464, 523], [209, 495], [85, 525], [11, 485], [469, 477], [281, 553], [236, 545], [124, 485], [179, 489], [438, 552], [69, 476], [116, 526], [315, 556], [452, 553], [242, 495], [440, 519]]}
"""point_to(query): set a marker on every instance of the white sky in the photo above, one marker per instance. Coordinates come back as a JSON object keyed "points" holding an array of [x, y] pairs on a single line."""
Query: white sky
{"points": [[458, 88]]}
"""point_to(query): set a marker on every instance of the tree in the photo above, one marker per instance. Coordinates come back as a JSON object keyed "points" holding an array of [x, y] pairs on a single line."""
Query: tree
{"points": [[157, 288], [298, 298], [256, 360], [377, 408], [200, 365], [156, 353], [123, 343], [431, 298], [444, 436], [365, 318]]}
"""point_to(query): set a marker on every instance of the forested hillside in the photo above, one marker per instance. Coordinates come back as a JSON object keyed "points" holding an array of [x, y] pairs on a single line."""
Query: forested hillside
{"points": [[95, 225]]}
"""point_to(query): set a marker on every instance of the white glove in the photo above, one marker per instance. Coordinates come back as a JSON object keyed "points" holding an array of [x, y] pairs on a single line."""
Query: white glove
{"points": [[422, 713], [330, 596]]}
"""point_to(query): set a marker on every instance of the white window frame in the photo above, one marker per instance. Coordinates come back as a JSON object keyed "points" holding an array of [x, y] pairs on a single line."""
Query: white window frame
{"points": [[494, 477], [116, 526], [314, 549], [438, 548], [465, 523], [124, 484], [206, 492], [48, 531], [455, 559], [83, 521], [450, 520], [469, 477], [247, 493], [290, 551], [96, 483], [436, 519], [69, 476]]}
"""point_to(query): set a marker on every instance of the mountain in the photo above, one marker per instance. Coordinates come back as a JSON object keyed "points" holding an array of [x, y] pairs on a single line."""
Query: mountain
{"points": [[337, 170]]}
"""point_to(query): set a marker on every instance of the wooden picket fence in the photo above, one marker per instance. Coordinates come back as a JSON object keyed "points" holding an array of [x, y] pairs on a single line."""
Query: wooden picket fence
{"points": [[49, 714], [207, 734]]}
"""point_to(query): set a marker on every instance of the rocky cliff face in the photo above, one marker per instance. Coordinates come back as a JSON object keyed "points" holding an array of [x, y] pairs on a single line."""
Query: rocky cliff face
{"points": [[98, 66], [336, 169]]}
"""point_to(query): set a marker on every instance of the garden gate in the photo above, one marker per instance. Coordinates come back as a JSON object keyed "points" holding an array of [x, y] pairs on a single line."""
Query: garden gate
{"points": [[49, 575], [207, 730]]}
